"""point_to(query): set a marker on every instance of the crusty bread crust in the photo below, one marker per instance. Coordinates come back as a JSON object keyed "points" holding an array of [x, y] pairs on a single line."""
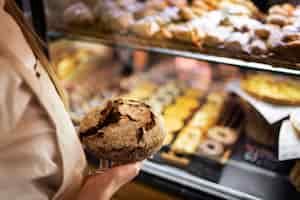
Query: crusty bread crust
{"points": [[129, 131]]}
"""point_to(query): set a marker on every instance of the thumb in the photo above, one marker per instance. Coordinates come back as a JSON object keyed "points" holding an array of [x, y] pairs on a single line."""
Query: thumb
{"points": [[123, 174]]}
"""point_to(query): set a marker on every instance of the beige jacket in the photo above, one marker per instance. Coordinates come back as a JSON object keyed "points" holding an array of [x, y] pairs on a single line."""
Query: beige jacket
{"points": [[40, 154]]}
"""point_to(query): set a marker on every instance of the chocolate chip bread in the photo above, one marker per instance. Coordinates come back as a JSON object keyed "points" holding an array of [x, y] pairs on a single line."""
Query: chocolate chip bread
{"points": [[122, 131]]}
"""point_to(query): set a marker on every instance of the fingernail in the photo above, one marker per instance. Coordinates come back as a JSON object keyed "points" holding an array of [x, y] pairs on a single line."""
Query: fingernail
{"points": [[138, 166]]}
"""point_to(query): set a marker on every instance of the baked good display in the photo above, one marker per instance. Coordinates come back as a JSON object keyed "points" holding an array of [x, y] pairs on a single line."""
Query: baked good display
{"points": [[187, 141], [295, 176], [112, 17], [209, 113], [78, 14], [202, 135], [273, 89], [122, 131], [144, 91], [198, 26], [163, 96]]}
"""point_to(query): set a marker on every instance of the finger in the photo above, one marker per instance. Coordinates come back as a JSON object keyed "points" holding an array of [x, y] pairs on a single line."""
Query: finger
{"points": [[111, 180]]}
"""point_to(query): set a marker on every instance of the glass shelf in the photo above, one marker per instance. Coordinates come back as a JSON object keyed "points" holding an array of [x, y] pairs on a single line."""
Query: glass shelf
{"points": [[122, 42]]}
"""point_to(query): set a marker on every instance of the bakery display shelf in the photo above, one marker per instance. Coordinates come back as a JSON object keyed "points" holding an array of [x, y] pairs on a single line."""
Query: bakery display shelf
{"points": [[214, 56], [237, 179]]}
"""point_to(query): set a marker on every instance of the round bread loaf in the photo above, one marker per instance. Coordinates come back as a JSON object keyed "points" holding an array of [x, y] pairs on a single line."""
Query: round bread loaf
{"points": [[122, 131]]}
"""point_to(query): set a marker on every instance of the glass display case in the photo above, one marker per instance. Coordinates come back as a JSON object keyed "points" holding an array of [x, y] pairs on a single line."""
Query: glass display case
{"points": [[223, 74]]}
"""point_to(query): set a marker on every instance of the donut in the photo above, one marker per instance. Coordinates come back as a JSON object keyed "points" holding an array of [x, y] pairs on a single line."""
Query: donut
{"points": [[224, 135], [211, 148]]}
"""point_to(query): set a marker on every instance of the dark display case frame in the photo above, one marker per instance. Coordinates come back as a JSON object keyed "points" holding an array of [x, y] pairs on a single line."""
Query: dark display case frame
{"points": [[170, 178]]}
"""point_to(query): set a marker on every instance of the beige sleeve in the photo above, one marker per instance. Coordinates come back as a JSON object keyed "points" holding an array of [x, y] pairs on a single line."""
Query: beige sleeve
{"points": [[29, 158]]}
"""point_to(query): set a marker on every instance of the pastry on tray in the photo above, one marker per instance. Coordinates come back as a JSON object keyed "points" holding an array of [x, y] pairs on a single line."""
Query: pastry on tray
{"points": [[187, 141], [112, 17], [276, 19], [78, 14], [216, 37], [289, 44], [199, 4], [177, 3], [179, 112], [263, 32], [187, 102], [122, 131], [285, 9], [150, 25], [223, 135], [243, 23], [237, 42], [236, 25], [185, 33], [274, 39], [187, 13], [272, 89], [202, 120], [258, 47], [209, 113], [145, 27], [205, 118]]}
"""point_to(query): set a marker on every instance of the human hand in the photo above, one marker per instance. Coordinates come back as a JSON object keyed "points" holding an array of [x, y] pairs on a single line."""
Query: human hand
{"points": [[102, 186]]}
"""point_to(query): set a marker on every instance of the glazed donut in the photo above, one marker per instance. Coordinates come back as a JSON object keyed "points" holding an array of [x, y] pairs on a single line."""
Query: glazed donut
{"points": [[224, 135], [211, 148]]}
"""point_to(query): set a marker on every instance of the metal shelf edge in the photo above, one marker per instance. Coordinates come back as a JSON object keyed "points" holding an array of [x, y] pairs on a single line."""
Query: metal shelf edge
{"points": [[199, 56], [174, 175]]}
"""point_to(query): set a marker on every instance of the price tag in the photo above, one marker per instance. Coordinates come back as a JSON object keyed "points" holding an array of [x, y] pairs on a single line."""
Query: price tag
{"points": [[289, 143]]}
